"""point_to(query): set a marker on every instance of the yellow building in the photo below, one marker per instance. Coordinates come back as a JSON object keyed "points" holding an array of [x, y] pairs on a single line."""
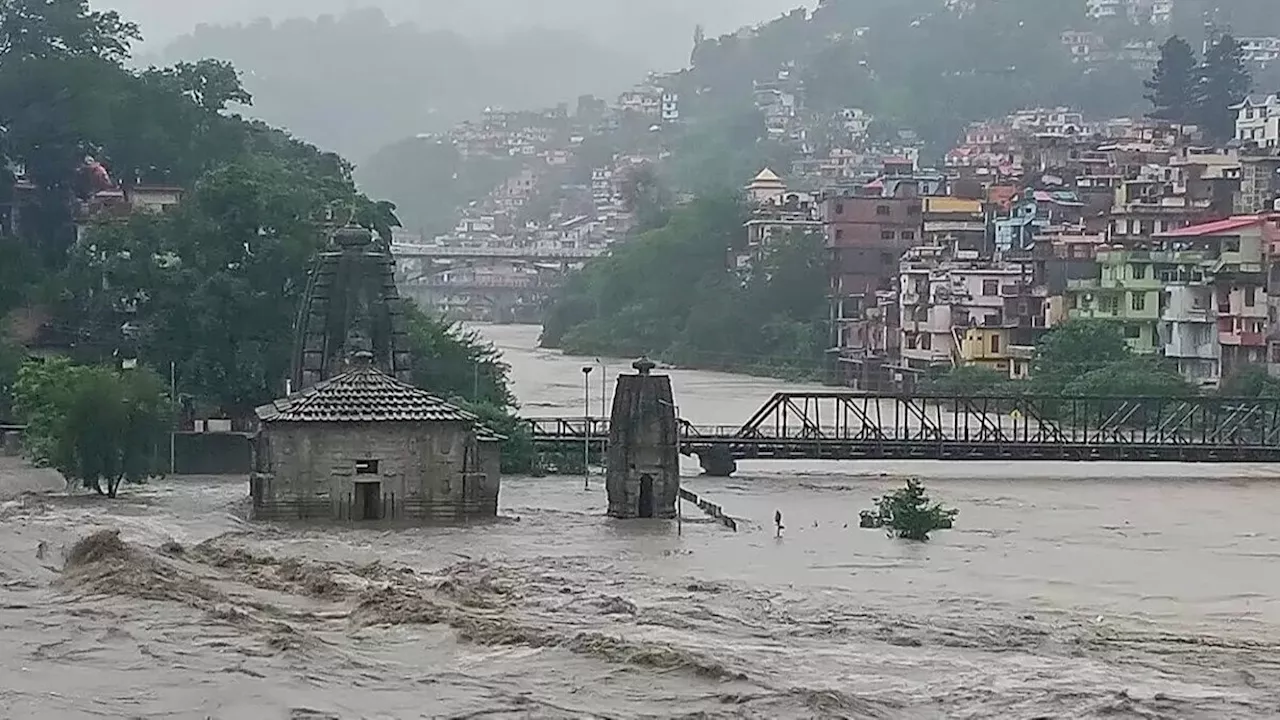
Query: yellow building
{"points": [[989, 347]]}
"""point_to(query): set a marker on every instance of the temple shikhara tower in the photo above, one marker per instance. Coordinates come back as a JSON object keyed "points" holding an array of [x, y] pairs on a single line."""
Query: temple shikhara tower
{"points": [[351, 306]]}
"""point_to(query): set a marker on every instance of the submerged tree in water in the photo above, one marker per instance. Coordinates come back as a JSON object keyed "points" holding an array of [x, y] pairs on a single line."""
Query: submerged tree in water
{"points": [[909, 514]]}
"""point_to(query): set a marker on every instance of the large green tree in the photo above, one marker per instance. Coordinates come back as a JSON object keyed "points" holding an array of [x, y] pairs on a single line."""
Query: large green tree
{"points": [[671, 293], [94, 424], [1224, 81], [1172, 87]]}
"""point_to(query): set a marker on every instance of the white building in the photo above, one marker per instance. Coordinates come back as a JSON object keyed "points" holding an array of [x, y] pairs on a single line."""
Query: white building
{"points": [[1260, 50], [1100, 9], [1188, 328], [670, 107], [1258, 121]]}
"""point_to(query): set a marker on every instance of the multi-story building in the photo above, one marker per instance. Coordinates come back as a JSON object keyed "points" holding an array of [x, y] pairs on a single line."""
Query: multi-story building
{"points": [[1259, 184], [957, 224], [1258, 121], [867, 232], [1260, 50], [670, 107], [776, 214], [1083, 45], [1105, 9], [1035, 212], [966, 311], [1126, 290], [1223, 263], [1188, 327]]}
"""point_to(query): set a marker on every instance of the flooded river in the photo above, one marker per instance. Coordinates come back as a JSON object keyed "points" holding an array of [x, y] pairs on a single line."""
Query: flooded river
{"points": [[1066, 591]]}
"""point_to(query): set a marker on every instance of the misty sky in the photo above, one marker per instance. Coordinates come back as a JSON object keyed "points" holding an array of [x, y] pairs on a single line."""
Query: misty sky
{"points": [[613, 20]]}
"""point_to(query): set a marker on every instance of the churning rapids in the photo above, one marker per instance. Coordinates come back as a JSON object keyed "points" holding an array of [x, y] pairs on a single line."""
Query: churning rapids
{"points": [[1066, 591]]}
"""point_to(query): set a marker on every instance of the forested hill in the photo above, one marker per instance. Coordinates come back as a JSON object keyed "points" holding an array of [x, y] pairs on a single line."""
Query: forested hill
{"points": [[933, 65], [360, 81]]}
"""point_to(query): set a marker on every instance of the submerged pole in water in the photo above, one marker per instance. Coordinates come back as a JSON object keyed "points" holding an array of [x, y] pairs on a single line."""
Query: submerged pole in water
{"points": [[586, 427]]}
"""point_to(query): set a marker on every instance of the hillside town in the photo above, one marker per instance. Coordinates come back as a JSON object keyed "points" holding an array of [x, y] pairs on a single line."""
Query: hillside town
{"points": [[1030, 220]]}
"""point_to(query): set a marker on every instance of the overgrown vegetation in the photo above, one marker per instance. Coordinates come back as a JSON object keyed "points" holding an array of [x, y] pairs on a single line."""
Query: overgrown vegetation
{"points": [[210, 288], [1193, 91], [96, 425], [669, 294], [1080, 358], [909, 514]]}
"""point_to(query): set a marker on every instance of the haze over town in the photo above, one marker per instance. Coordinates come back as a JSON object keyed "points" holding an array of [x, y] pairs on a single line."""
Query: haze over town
{"points": [[589, 358]]}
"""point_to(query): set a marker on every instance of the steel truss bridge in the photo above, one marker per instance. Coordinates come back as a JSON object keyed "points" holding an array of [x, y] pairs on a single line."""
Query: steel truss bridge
{"points": [[856, 426]]}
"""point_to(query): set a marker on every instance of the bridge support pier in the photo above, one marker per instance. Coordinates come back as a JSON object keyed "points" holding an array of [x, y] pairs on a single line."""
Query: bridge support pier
{"points": [[643, 467], [717, 462]]}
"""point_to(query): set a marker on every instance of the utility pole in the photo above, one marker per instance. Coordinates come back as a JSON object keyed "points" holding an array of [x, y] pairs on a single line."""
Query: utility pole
{"points": [[604, 388], [586, 427], [173, 428]]}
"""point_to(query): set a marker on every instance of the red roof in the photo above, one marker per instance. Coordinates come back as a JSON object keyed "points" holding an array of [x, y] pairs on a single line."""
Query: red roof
{"points": [[1217, 227]]}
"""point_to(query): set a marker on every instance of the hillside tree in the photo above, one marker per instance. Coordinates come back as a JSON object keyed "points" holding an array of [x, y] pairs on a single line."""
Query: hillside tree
{"points": [[1224, 80], [1172, 87]]}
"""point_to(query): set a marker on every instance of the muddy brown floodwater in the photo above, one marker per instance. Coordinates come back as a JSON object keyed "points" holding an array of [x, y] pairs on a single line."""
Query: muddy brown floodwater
{"points": [[1066, 591]]}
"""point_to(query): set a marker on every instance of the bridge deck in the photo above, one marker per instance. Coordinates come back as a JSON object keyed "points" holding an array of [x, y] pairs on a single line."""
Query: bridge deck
{"points": [[841, 425]]}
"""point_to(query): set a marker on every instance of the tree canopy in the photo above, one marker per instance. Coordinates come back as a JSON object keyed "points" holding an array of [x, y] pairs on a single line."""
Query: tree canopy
{"points": [[1173, 83], [670, 293], [94, 424], [209, 288]]}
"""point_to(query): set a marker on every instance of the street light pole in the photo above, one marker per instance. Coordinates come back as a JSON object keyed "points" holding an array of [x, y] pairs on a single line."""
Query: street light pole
{"points": [[173, 426], [586, 427], [604, 387]]}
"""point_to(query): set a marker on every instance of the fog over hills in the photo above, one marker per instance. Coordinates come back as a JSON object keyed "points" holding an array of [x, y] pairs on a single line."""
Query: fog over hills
{"points": [[373, 73], [658, 27]]}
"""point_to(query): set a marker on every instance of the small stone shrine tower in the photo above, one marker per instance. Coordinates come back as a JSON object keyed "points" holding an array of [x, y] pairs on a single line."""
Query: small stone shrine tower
{"points": [[351, 306], [643, 474]]}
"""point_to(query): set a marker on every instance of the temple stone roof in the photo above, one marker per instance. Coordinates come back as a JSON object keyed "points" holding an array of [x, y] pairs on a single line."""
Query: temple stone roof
{"points": [[766, 177], [367, 395]]}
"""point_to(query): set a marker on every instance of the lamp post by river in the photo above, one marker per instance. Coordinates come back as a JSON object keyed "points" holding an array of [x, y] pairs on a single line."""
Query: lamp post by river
{"points": [[604, 388], [586, 427]]}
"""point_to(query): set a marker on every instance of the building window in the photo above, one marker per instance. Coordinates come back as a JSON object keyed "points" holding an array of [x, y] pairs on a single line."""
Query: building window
{"points": [[990, 288], [1139, 301], [886, 235], [1250, 296], [1139, 272], [883, 210], [366, 467], [995, 344], [839, 233], [1132, 332], [839, 208], [908, 235]]}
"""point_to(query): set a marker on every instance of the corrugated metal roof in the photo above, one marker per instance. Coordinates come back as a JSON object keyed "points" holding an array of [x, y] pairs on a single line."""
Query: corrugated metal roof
{"points": [[1217, 227], [367, 395]]}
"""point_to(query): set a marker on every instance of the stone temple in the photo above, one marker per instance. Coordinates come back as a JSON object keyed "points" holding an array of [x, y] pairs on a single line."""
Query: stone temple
{"points": [[643, 470], [354, 439], [351, 305], [366, 446]]}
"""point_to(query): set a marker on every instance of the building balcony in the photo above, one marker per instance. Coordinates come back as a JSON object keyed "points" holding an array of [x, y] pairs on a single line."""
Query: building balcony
{"points": [[1242, 339], [1188, 315], [1143, 285], [1191, 351], [930, 357]]}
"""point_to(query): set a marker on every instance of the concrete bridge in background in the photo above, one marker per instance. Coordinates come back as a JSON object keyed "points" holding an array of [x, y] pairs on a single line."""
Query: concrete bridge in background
{"points": [[465, 253], [856, 426], [496, 284]]}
